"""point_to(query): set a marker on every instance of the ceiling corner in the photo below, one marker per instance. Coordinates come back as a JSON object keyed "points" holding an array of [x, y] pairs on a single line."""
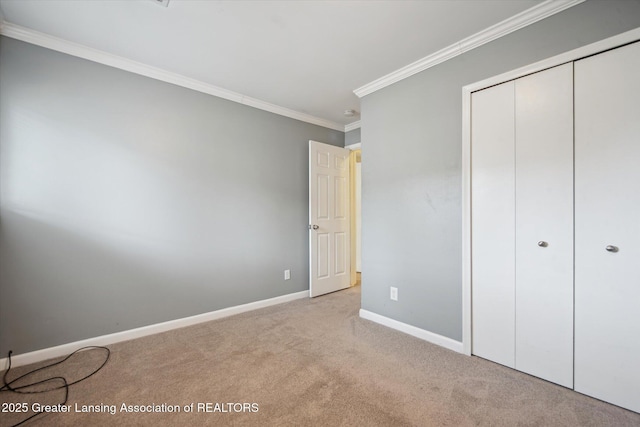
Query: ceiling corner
{"points": [[352, 126]]}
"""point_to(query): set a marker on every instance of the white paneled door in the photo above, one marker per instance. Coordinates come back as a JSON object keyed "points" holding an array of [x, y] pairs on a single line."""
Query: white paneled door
{"points": [[544, 224], [607, 220], [329, 244]]}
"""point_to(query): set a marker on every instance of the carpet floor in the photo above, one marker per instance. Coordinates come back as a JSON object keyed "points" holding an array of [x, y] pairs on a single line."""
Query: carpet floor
{"points": [[311, 362]]}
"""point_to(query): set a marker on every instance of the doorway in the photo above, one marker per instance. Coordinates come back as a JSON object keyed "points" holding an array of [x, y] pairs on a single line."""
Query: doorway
{"points": [[334, 217], [355, 196]]}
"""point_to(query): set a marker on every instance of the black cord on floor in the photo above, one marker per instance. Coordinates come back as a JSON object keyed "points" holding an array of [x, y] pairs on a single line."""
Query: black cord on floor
{"points": [[7, 386]]}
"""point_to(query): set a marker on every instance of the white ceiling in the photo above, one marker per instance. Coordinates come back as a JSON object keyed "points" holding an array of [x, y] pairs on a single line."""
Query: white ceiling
{"points": [[306, 56]]}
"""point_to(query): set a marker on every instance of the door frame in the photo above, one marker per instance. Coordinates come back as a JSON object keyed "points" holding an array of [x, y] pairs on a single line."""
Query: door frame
{"points": [[354, 148], [570, 56]]}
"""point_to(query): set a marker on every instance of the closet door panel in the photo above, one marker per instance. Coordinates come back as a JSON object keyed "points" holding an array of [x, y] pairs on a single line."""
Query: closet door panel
{"points": [[607, 213], [493, 223], [544, 224]]}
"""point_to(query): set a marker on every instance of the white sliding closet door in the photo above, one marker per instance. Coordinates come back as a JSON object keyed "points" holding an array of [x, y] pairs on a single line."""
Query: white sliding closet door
{"points": [[544, 224], [607, 216], [493, 224]]}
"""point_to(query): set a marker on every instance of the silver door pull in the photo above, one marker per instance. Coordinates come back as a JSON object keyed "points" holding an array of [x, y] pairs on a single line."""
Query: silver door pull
{"points": [[543, 244], [314, 226], [612, 248]]}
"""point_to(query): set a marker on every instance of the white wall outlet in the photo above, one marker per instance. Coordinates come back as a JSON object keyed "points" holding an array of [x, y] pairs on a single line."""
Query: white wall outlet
{"points": [[287, 274], [394, 294]]}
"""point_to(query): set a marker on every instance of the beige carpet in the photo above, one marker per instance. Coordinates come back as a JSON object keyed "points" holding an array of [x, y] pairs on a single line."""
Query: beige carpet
{"points": [[310, 363]]}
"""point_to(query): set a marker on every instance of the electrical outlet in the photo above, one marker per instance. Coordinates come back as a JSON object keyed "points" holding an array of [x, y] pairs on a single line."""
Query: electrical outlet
{"points": [[394, 294], [287, 274]]}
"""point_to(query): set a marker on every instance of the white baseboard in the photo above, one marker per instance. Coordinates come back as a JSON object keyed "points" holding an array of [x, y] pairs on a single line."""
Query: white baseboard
{"points": [[65, 349], [412, 330]]}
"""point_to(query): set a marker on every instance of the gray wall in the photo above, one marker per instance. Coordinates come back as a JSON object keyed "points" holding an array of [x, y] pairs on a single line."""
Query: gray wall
{"points": [[352, 137], [412, 166], [125, 201]]}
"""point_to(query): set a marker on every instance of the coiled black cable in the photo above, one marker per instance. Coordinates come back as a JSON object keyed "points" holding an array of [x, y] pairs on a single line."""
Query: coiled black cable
{"points": [[22, 389]]}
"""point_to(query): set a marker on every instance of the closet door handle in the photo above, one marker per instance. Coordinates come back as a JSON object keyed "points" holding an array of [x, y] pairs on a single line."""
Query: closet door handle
{"points": [[543, 244], [612, 248]]}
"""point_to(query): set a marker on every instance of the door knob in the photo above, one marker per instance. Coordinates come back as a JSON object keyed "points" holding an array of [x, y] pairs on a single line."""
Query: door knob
{"points": [[314, 226], [612, 248], [543, 244]]}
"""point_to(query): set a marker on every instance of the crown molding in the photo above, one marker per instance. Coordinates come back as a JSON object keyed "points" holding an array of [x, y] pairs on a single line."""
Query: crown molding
{"points": [[516, 22], [352, 126], [81, 51]]}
